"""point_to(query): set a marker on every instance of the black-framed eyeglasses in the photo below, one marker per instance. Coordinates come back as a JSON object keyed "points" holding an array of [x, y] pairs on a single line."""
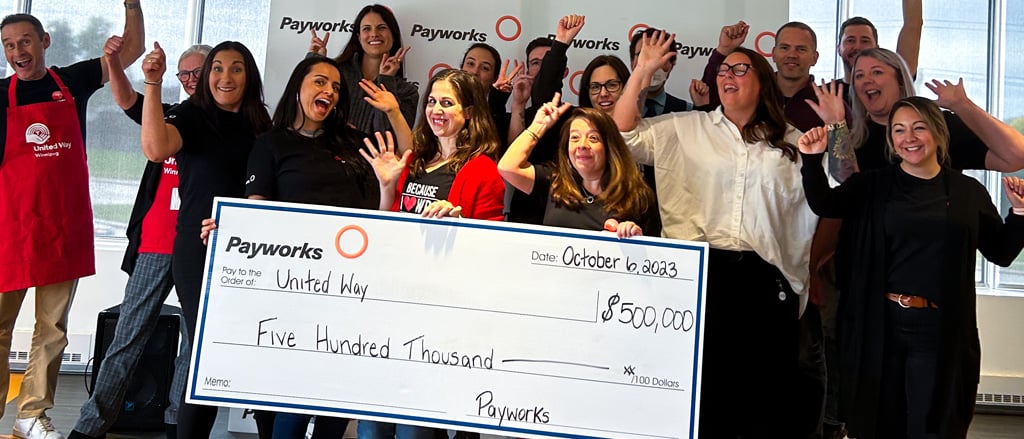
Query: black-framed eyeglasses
{"points": [[612, 86], [185, 74], [739, 69]]}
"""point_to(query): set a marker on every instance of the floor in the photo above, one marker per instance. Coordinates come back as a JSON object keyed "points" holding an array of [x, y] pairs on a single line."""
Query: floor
{"points": [[71, 394]]}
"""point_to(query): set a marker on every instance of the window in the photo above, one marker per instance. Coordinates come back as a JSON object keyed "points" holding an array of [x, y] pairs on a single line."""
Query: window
{"points": [[1012, 102], [78, 31], [955, 43]]}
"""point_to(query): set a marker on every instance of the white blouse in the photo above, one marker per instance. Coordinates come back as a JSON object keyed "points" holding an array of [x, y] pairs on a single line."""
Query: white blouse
{"points": [[714, 187]]}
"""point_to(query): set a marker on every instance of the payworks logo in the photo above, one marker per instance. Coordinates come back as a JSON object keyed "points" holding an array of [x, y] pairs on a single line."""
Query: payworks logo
{"points": [[431, 34], [303, 26]]}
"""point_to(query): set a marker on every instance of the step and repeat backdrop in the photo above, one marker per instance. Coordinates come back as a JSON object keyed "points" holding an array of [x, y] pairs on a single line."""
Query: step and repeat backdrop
{"points": [[439, 32]]}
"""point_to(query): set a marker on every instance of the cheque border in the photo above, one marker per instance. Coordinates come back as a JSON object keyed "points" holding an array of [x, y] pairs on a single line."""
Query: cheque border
{"points": [[221, 203]]}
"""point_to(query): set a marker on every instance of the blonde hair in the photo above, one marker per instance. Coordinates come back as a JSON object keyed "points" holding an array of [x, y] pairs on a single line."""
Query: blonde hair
{"points": [[859, 130]]}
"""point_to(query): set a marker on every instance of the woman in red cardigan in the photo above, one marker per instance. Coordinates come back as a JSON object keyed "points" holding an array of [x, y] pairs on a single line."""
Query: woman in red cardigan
{"points": [[451, 169]]}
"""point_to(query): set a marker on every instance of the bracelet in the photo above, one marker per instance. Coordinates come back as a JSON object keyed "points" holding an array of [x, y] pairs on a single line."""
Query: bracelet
{"points": [[152, 82], [536, 138], [1018, 210], [131, 5], [835, 126]]}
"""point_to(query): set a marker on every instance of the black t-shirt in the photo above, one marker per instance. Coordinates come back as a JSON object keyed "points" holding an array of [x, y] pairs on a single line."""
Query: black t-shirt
{"points": [[287, 166], [82, 79], [590, 216], [211, 163], [966, 150], [424, 189], [917, 235]]}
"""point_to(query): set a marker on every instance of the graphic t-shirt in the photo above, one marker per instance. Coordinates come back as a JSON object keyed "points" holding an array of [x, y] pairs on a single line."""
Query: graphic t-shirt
{"points": [[424, 189]]}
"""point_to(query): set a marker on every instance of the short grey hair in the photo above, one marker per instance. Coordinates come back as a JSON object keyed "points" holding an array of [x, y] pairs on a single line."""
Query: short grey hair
{"points": [[201, 49]]}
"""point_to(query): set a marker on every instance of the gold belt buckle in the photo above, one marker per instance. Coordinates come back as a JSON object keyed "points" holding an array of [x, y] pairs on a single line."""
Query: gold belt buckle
{"points": [[903, 304]]}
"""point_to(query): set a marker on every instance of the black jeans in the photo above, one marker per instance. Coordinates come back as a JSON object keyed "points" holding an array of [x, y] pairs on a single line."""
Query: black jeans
{"points": [[908, 374]]}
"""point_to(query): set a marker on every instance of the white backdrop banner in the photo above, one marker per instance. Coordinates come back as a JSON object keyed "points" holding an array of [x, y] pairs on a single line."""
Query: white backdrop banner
{"points": [[471, 325], [440, 31]]}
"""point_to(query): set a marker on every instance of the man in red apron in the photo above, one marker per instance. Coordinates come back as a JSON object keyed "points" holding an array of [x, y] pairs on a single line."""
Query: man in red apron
{"points": [[46, 235]]}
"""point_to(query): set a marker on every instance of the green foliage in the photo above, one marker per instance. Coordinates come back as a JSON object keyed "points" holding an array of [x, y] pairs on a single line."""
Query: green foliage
{"points": [[1017, 124]]}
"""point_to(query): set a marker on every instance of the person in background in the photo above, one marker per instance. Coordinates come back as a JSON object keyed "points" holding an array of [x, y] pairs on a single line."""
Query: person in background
{"points": [[375, 53], [910, 338], [483, 61], [210, 135], [740, 192], [46, 232], [857, 34], [148, 264]]}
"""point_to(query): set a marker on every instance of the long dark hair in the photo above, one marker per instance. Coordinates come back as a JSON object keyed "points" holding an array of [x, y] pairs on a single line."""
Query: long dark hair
{"points": [[253, 109], [625, 194], [769, 123], [340, 137], [490, 49], [477, 137], [601, 60], [354, 47]]}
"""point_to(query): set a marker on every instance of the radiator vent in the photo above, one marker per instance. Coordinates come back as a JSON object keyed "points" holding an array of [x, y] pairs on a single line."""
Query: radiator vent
{"points": [[18, 356], [1001, 399]]}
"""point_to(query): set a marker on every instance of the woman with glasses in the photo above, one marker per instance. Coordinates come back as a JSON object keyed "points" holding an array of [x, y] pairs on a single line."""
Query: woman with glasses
{"points": [[921, 223], [731, 178]]}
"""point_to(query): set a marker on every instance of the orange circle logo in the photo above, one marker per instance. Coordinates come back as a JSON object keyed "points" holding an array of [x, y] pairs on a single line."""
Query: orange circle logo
{"points": [[572, 82], [362, 249], [632, 31], [514, 20], [757, 43], [436, 67]]}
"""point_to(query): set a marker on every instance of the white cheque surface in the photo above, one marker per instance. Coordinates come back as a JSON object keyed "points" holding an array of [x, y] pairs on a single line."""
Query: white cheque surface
{"points": [[469, 325]]}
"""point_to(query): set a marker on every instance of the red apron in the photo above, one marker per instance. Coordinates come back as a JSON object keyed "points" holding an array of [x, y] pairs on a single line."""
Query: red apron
{"points": [[46, 233]]}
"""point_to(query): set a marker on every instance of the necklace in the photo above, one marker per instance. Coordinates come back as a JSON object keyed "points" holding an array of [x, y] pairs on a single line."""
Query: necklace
{"points": [[588, 197]]}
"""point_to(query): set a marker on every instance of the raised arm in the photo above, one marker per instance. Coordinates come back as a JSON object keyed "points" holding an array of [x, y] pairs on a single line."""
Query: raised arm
{"points": [[909, 43], [654, 52], [124, 95], [386, 165], [730, 37], [160, 140], [380, 98], [515, 166], [552, 69], [823, 200], [1005, 144], [134, 37], [999, 240]]}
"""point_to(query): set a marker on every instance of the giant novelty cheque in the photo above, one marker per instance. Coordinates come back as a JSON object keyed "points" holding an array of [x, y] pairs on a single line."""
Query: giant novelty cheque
{"points": [[499, 328]]}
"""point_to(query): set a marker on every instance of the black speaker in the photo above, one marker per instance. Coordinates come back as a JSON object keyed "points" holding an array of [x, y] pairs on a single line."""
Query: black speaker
{"points": [[146, 397]]}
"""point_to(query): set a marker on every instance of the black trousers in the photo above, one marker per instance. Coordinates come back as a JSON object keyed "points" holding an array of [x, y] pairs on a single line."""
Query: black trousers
{"points": [[908, 375], [751, 334]]}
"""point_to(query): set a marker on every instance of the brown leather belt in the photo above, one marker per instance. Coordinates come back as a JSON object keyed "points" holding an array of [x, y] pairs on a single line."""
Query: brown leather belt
{"points": [[911, 301]]}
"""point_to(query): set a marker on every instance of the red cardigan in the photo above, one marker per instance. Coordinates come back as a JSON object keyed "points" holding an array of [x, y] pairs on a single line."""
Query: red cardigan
{"points": [[478, 188]]}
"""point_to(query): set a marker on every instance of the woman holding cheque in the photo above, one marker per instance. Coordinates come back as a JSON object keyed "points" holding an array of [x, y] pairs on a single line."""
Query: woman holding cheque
{"points": [[910, 310], [593, 185], [311, 155]]}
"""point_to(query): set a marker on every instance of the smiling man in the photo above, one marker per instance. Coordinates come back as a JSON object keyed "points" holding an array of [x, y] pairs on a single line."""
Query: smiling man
{"points": [[46, 235]]}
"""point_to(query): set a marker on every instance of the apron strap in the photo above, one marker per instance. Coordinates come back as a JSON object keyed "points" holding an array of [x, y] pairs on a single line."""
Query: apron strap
{"points": [[12, 96]]}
